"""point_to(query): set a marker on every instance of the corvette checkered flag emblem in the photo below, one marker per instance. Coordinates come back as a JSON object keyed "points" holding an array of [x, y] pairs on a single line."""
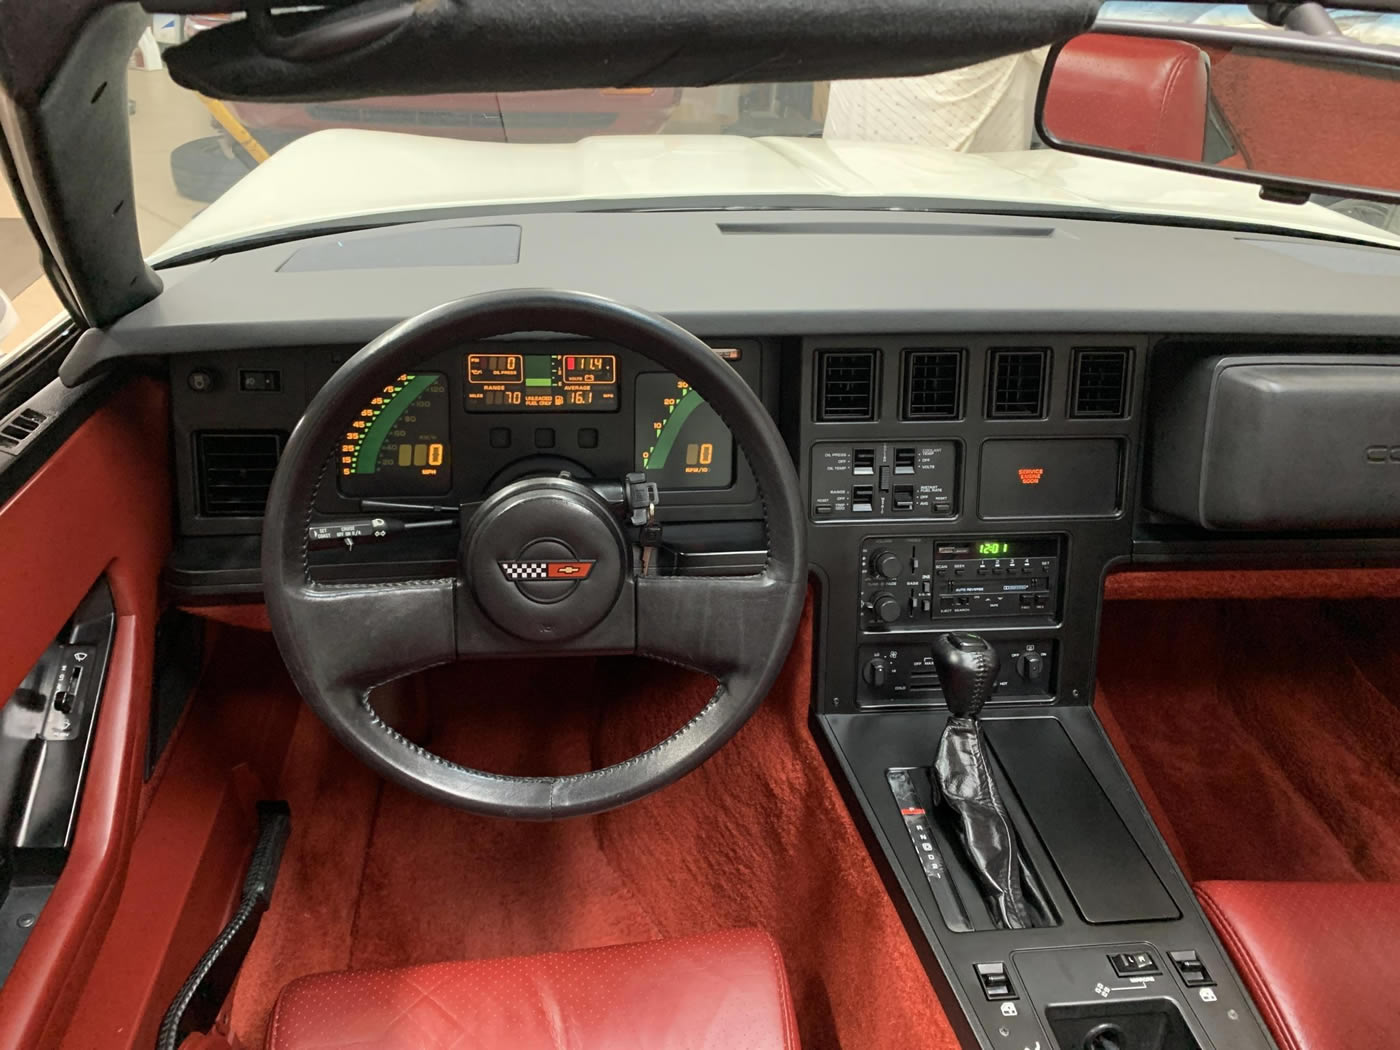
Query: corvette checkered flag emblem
{"points": [[517, 571]]}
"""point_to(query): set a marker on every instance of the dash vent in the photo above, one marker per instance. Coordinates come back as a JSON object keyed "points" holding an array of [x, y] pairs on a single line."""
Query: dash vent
{"points": [[932, 384], [235, 471], [845, 385], [1100, 384], [1017, 388]]}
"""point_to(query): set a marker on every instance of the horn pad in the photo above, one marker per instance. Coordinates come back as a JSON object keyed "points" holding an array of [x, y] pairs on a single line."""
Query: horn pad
{"points": [[545, 559]]}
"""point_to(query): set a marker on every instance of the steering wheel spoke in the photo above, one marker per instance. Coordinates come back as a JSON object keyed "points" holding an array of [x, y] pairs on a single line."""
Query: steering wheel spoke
{"points": [[355, 636], [720, 625]]}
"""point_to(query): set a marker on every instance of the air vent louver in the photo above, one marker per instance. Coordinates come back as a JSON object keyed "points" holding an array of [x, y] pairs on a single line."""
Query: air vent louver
{"points": [[1100, 384], [235, 471], [932, 384], [1017, 388], [845, 385]]}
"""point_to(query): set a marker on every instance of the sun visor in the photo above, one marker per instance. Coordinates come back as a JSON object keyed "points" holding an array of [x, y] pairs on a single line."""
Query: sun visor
{"points": [[386, 47]]}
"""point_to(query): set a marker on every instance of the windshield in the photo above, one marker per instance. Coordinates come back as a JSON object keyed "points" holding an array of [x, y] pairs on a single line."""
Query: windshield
{"points": [[209, 173]]}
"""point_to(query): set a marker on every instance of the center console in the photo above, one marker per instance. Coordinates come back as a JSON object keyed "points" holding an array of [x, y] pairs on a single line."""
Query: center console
{"points": [[981, 486]]}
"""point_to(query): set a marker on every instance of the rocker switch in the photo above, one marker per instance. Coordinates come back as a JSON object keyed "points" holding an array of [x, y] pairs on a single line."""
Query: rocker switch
{"points": [[1193, 972], [995, 981]]}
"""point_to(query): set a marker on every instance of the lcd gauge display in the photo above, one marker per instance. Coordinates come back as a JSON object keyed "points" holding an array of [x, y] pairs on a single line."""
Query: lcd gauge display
{"points": [[541, 383], [681, 442], [399, 444]]}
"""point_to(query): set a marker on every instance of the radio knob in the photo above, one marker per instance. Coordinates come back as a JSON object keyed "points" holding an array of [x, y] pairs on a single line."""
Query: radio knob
{"points": [[876, 672], [886, 607], [1031, 666], [886, 564]]}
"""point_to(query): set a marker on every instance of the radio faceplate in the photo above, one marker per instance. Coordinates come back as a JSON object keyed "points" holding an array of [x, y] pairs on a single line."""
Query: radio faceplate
{"points": [[917, 581]]}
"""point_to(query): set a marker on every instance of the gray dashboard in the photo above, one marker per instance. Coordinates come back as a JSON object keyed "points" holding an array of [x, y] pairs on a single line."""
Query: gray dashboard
{"points": [[793, 286], [788, 273]]}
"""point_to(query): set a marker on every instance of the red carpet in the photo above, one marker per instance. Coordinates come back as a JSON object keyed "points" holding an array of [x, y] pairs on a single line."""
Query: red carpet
{"points": [[759, 836], [1265, 734]]}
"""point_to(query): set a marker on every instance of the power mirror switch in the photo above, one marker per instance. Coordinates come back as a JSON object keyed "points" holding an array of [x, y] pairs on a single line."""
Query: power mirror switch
{"points": [[1134, 964]]}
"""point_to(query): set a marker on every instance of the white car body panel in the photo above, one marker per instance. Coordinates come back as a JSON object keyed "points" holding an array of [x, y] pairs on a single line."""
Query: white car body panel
{"points": [[340, 174]]}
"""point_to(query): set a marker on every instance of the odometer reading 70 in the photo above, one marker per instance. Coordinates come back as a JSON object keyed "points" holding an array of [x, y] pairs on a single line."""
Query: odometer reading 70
{"points": [[399, 444]]}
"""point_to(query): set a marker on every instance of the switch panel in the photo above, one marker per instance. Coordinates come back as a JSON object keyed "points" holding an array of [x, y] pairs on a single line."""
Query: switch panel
{"points": [[884, 479], [919, 581], [903, 675]]}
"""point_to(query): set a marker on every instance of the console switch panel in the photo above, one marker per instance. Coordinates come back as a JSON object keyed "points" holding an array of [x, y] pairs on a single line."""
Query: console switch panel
{"points": [[884, 479]]}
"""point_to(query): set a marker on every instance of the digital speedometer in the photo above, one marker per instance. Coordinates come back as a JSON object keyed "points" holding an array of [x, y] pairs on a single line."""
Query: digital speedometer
{"points": [[399, 444], [681, 442]]}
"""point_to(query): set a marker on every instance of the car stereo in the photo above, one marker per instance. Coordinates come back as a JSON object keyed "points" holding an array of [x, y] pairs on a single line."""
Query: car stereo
{"points": [[919, 581]]}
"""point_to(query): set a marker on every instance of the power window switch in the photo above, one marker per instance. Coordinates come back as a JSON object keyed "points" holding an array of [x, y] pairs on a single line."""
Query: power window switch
{"points": [[995, 981], [1193, 972]]}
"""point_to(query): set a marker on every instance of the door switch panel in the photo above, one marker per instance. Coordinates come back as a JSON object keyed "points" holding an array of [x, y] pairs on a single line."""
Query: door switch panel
{"points": [[884, 479]]}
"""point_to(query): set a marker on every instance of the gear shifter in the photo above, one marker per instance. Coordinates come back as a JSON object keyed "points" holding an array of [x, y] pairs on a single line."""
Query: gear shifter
{"points": [[967, 667]]}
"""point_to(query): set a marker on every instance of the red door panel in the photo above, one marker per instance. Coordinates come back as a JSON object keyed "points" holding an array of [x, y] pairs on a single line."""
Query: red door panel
{"points": [[100, 504]]}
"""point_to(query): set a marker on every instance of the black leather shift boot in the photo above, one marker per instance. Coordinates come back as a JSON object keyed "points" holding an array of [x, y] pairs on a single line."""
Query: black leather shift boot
{"points": [[989, 841]]}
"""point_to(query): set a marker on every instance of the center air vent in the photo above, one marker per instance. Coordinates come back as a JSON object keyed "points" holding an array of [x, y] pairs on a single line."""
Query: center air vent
{"points": [[1017, 388], [932, 384], [1100, 384], [235, 470], [845, 385]]}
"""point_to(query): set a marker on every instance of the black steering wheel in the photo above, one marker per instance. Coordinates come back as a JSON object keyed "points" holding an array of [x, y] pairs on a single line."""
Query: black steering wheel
{"points": [[547, 566]]}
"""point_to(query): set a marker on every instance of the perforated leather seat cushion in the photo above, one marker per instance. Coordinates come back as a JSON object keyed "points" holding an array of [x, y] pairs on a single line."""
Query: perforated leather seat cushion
{"points": [[1318, 956], [717, 991]]}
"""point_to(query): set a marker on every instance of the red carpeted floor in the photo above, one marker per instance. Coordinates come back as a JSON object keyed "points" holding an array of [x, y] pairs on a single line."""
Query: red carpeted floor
{"points": [[759, 836], [1264, 735]]}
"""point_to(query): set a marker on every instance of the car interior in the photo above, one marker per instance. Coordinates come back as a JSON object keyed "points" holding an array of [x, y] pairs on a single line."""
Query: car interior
{"points": [[733, 623]]}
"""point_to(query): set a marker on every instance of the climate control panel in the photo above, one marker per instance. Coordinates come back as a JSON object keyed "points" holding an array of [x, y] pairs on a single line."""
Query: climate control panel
{"points": [[916, 581], [902, 674]]}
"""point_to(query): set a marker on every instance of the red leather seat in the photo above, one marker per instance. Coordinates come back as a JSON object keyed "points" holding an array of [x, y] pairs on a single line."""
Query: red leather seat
{"points": [[717, 991], [1131, 93], [1319, 957]]}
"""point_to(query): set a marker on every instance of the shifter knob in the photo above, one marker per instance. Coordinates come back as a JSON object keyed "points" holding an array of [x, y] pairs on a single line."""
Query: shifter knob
{"points": [[967, 667]]}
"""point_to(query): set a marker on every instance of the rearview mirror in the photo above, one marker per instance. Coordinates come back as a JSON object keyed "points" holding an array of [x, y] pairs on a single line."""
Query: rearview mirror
{"points": [[1298, 114]]}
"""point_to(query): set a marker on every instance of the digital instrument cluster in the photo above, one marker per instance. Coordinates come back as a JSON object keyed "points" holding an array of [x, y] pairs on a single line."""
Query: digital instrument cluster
{"points": [[680, 440], [400, 443], [501, 382]]}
